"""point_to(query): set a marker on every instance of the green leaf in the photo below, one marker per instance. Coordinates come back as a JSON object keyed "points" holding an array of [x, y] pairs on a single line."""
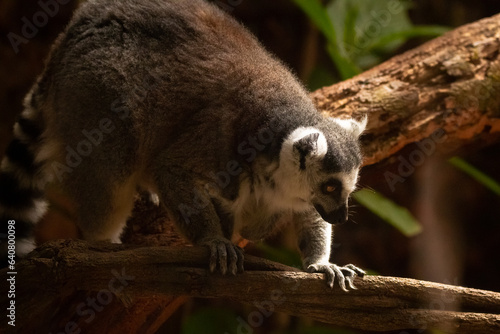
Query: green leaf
{"points": [[350, 25], [347, 69], [354, 29], [373, 19], [319, 16], [317, 13], [359, 24], [475, 173], [396, 215]]}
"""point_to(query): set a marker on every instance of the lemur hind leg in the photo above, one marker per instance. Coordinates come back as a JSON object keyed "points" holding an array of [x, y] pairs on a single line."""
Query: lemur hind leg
{"points": [[102, 206]]}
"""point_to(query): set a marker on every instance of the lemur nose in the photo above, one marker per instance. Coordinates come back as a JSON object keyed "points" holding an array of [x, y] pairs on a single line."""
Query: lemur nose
{"points": [[337, 216]]}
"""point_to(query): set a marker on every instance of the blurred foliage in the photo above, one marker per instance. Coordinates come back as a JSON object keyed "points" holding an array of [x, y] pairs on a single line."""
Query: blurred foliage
{"points": [[476, 174], [368, 31], [397, 216], [360, 34]]}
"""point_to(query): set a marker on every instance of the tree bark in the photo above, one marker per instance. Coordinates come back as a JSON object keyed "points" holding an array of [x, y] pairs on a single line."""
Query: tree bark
{"points": [[75, 275], [449, 84]]}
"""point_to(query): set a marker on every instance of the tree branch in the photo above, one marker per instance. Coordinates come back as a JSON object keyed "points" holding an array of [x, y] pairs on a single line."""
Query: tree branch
{"points": [[450, 83], [76, 269]]}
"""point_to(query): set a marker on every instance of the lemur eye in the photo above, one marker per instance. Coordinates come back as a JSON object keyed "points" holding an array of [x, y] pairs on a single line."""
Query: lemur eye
{"points": [[330, 187]]}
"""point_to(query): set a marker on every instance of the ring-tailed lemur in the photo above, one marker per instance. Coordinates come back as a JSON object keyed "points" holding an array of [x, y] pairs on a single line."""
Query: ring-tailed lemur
{"points": [[178, 98]]}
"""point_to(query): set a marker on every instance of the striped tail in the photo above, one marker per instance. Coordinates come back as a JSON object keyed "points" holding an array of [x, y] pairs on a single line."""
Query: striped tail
{"points": [[22, 202]]}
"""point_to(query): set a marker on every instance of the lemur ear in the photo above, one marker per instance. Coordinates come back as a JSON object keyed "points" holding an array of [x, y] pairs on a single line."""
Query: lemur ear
{"points": [[308, 145], [302, 144], [352, 125]]}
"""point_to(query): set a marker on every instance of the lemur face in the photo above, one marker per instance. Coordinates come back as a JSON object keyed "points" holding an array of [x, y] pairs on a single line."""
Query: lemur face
{"points": [[324, 162], [331, 193]]}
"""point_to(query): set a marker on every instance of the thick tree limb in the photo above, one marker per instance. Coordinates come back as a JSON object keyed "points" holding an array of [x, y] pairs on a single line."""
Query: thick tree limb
{"points": [[75, 270], [450, 83]]}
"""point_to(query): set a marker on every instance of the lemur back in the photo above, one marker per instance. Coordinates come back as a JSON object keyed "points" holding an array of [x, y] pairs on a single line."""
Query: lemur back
{"points": [[178, 98]]}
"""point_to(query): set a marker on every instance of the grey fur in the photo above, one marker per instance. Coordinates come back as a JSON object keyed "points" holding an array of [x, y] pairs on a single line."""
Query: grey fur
{"points": [[177, 98]]}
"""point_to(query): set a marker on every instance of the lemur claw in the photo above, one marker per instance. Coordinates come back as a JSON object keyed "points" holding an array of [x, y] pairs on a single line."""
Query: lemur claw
{"points": [[345, 274], [225, 256]]}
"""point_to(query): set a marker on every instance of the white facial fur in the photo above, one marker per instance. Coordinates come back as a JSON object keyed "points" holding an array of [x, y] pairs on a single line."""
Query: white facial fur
{"points": [[304, 183], [293, 182], [299, 133], [284, 186]]}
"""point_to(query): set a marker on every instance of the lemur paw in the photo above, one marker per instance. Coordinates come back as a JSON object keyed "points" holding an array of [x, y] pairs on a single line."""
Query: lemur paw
{"points": [[344, 274], [225, 255]]}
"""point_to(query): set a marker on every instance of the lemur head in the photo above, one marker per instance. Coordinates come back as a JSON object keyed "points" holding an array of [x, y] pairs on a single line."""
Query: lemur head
{"points": [[324, 162]]}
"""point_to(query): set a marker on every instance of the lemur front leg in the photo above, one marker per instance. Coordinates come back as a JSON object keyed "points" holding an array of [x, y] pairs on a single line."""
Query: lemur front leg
{"points": [[197, 219], [314, 241]]}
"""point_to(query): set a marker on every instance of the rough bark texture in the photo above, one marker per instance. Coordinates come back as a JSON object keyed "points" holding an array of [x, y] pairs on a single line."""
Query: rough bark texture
{"points": [[451, 83], [68, 273]]}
